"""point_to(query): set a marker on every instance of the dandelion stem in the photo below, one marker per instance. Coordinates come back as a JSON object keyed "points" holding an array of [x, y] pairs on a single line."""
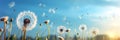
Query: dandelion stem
{"points": [[4, 30], [24, 33], [10, 31], [48, 31]]}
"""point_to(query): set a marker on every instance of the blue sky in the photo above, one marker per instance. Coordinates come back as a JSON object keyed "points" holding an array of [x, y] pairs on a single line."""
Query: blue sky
{"points": [[100, 14]]}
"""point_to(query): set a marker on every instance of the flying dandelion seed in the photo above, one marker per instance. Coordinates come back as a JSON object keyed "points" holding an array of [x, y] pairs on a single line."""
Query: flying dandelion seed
{"points": [[52, 10], [80, 17], [61, 29], [11, 4], [83, 27], [29, 15], [51, 24], [42, 5], [43, 14], [60, 38], [64, 19]]}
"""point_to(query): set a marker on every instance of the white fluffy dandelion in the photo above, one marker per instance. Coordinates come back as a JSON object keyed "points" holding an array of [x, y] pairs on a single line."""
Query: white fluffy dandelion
{"points": [[11, 4], [94, 31], [29, 15], [83, 27], [61, 29]]}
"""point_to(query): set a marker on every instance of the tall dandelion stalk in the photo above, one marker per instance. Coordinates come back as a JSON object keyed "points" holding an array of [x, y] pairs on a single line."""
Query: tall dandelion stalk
{"points": [[9, 31], [48, 27], [4, 19], [61, 30], [37, 34], [94, 33], [83, 27], [26, 21], [68, 33]]}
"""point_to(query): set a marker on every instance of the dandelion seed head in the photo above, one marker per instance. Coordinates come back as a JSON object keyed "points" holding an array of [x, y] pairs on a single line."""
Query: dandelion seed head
{"points": [[68, 30], [11, 20], [94, 31], [5, 18], [83, 27], [29, 15], [61, 29], [47, 21]]}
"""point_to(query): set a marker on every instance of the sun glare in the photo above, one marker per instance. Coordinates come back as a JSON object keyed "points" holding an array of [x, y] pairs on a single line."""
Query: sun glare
{"points": [[111, 34]]}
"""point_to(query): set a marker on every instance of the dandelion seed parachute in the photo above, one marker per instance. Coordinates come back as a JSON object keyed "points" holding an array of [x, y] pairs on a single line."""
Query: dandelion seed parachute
{"points": [[26, 14], [11, 4]]}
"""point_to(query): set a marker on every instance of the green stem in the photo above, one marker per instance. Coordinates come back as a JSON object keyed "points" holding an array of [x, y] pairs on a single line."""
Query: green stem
{"points": [[83, 35], [48, 31], [4, 31], [9, 31]]}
